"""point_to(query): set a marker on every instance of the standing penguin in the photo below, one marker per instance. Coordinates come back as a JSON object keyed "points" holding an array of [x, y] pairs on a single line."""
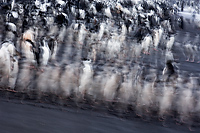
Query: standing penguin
{"points": [[8, 65], [44, 53], [168, 71], [181, 22], [10, 32]]}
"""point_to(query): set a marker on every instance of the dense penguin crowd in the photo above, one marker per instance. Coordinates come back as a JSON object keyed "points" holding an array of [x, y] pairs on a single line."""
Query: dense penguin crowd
{"points": [[115, 51]]}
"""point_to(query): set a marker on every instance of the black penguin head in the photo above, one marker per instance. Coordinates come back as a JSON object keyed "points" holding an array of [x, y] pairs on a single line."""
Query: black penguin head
{"points": [[10, 27], [169, 66], [169, 62]]}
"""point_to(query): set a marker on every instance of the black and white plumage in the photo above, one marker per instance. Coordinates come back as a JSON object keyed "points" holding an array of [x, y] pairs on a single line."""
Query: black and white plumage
{"points": [[14, 72], [28, 46], [157, 37], [86, 78], [10, 48], [108, 12], [61, 19], [8, 65], [44, 54], [4, 61], [10, 32], [53, 46], [146, 43], [181, 22], [190, 51], [170, 42], [60, 4], [168, 71], [11, 27], [27, 50]]}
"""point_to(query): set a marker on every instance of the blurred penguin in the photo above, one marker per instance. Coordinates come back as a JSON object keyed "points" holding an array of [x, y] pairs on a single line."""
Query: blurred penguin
{"points": [[28, 46], [169, 71], [9, 63], [146, 43], [86, 78], [170, 42], [190, 51], [10, 32], [43, 54]]}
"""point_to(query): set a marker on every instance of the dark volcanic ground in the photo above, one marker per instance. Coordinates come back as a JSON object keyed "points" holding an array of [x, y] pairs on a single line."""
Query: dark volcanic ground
{"points": [[43, 118]]}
